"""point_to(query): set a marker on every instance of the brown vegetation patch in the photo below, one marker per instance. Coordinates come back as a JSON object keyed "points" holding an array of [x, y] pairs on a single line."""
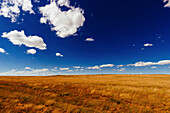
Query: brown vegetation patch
{"points": [[85, 94]]}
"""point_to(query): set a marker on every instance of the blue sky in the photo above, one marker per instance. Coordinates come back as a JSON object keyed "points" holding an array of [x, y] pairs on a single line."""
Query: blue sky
{"points": [[47, 37]]}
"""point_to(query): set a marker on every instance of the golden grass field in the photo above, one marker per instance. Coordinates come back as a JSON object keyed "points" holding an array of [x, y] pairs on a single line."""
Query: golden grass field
{"points": [[86, 94]]}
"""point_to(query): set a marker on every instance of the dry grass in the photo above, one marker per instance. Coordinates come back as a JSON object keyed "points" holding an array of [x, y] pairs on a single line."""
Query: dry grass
{"points": [[85, 94]]}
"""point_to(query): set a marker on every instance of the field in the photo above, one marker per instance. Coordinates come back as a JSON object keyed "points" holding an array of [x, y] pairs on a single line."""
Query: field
{"points": [[85, 94]]}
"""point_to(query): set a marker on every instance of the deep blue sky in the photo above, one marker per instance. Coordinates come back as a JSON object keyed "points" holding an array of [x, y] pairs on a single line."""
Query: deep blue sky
{"points": [[115, 27]]}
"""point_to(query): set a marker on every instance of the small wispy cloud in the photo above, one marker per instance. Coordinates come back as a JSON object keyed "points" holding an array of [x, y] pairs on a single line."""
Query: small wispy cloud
{"points": [[2, 50], [31, 51], [122, 69], [89, 39], [81, 69], [54, 69], [69, 70], [107, 65], [27, 68], [77, 67], [142, 49], [148, 45], [59, 54], [154, 67], [64, 69], [94, 67], [118, 66], [130, 65]]}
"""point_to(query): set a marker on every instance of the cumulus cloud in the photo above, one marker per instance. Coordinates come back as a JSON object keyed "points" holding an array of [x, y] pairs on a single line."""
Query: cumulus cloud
{"points": [[142, 64], [27, 72], [65, 23], [94, 67], [148, 45], [63, 3], [59, 54], [12, 8], [19, 38], [167, 3], [2, 50], [107, 65], [63, 69], [163, 62], [89, 39], [31, 51]]}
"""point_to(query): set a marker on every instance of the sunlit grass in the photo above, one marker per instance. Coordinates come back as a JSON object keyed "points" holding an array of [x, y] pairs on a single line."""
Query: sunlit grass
{"points": [[88, 94]]}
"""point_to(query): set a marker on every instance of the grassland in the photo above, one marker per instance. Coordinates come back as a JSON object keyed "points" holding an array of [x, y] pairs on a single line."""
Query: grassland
{"points": [[86, 94]]}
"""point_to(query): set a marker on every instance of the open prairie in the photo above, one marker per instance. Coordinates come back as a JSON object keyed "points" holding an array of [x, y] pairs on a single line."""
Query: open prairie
{"points": [[85, 94]]}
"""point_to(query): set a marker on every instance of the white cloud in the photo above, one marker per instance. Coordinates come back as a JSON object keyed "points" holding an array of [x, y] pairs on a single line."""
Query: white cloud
{"points": [[37, 1], [27, 72], [65, 23], [130, 65], [81, 69], [63, 3], [107, 65], [59, 54], [77, 70], [148, 45], [141, 64], [2, 50], [31, 51], [167, 4], [163, 62], [55, 69], [63, 69], [19, 38], [12, 8], [27, 68], [89, 39], [154, 67], [142, 49], [122, 69], [94, 67], [39, 70], [118, 66], [77, 67], [69, 70]]}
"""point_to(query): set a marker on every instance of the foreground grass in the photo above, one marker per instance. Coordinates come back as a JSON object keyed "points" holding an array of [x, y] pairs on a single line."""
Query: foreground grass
{"points": [[85, 94]]}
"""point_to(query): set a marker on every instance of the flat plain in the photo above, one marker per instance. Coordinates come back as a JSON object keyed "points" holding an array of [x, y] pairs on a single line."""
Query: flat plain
{"points": [[85, 94]]}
